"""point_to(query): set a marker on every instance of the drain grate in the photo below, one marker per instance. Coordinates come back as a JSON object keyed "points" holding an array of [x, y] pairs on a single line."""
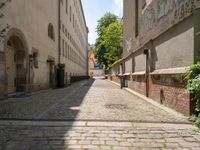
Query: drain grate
{"points": [[116, 106]]}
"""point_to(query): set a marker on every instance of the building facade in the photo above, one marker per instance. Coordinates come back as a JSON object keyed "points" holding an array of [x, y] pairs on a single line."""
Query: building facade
{"points": [[161, 40], [41, 36]]}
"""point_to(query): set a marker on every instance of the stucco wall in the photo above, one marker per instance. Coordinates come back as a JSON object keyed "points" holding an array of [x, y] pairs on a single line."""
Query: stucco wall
{"points": [[140, 63], [128, 66], [175, 48], [197, 34], [128, 21], [32, 18]]}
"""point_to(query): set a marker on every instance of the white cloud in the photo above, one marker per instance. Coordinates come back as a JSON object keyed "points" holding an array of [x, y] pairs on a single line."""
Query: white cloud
{"points": [[118, 7]]}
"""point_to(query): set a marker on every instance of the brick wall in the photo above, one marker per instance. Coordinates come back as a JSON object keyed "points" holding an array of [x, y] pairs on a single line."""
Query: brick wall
{"points": [[114, 79], [138, 84], [170, 90]]}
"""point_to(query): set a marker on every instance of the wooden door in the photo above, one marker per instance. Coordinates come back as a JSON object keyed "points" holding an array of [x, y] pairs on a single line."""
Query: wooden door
{"points": [[11, 69]]}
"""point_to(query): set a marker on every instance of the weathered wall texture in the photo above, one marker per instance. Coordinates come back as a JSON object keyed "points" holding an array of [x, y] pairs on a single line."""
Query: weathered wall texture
{"points": [[175, 48], [170, 91], [169, 29], [2, 73], [32, 19]]}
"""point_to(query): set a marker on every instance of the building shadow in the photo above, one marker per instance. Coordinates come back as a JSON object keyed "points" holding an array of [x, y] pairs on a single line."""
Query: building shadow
{"points": [[63, 114]]}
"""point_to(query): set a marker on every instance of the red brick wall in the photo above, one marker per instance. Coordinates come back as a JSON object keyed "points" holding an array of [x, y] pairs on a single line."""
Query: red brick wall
{"points": [[138, 84], [174, 93], [171, 91], [114, 79]]}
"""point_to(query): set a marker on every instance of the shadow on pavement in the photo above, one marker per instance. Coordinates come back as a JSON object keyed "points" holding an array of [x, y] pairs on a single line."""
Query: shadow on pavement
{"points": [[30, 109]]}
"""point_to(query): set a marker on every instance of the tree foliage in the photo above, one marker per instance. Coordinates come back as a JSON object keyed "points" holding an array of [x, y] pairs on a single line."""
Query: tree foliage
{"points": [[108, 46], [194, 83], [194, 88]]}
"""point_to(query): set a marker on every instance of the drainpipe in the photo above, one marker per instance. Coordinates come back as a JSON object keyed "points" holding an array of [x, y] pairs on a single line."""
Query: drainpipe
{"points": [[146, 52], [59, 25]]}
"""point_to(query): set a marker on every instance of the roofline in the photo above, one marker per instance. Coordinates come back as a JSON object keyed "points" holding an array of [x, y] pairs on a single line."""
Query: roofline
{"points": [[83, 15]]}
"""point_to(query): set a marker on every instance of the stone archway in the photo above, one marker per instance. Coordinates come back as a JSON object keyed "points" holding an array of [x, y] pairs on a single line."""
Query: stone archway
{"points": [[16, 62]]}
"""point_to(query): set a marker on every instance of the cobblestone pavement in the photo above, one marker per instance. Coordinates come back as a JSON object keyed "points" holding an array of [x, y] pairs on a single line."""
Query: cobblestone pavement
{"points": [[132, 123], [31, 106], [103, 100], [33, 135], [86, 100]]}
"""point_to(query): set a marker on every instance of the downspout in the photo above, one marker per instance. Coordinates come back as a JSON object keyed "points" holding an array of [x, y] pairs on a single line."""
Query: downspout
{"points": [[59, 25], [146, 52]]}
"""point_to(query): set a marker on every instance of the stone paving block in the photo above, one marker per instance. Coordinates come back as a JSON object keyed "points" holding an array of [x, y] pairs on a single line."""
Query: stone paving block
{"points": [[90, 147], [84, 142], [56, 142], [120, 148], [74, 147], [112, 143], [105, 147], [114, 135], [98, 142], [71, 142], [129, 136], [125, 144], [109, 124]]}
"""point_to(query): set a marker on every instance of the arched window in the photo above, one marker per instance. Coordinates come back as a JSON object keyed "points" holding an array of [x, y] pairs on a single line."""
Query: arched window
{"points": [[51, 32]]}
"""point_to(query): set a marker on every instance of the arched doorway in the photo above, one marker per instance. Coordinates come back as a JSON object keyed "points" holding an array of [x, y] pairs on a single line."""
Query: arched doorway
{"points": [[16, 63]]}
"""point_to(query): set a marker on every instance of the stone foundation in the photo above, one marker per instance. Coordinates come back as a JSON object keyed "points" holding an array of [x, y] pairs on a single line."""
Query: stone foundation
{"points": [[169, 90], [38, 87]]}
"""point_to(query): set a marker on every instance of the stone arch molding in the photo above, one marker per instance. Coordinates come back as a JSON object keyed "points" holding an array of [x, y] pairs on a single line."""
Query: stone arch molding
{"points": [[14, 32]]}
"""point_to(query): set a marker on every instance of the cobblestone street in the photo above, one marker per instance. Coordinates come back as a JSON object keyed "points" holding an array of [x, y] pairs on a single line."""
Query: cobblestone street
{"points": [[98, 135], [93, 114]]}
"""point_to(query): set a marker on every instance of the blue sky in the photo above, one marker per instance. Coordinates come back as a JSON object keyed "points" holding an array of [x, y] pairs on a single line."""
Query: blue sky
{"points": [[95, 9]]}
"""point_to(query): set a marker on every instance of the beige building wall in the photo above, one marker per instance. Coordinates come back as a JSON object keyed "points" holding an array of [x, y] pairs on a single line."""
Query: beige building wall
{"points": [[169, 29], [32, 20], [29, 22], [74, 35]]}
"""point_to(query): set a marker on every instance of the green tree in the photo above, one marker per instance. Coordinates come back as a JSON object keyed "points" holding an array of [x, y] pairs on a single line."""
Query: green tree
{"points": [[108, 47], [112, 36]]}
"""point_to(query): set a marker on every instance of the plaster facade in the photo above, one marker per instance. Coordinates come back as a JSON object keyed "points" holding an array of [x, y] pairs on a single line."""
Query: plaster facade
{"points": [[169, 30], [29, 32]]}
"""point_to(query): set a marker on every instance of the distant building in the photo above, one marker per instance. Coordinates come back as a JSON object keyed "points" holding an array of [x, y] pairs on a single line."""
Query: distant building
{"points": [[91, 60], [160, 41], [41, 35]]}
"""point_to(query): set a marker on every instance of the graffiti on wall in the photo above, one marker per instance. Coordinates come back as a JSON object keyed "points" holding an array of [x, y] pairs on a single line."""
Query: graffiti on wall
{"points": [[180, 8], [148, 19], [185, 8], [128, 45], [165, 7]]}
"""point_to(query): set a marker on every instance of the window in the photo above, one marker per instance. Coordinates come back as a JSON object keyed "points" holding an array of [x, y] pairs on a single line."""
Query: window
{"points": [[63, 28], [136, 17], [68, 52], [63, 47], [67, 6], [66, 32], [51, 32], [65, 50], [70, 13], [73, 20]]}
